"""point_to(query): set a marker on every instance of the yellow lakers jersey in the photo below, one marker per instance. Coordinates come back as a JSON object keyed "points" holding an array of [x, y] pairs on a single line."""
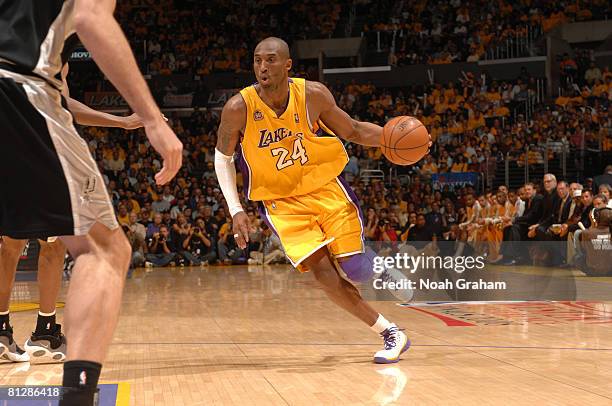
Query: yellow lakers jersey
{"points": [[283, 156]]}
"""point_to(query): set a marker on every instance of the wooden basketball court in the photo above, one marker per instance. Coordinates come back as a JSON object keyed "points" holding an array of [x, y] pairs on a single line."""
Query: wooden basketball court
{"points": [[268, 336]]}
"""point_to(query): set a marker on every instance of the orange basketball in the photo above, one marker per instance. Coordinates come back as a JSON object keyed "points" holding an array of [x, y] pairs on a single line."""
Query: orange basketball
{"points": [[405, 140]]}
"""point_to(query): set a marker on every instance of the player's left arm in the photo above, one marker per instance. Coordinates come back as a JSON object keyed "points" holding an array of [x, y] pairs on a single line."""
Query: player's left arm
{"points": [[338, 120], [85, 115]]}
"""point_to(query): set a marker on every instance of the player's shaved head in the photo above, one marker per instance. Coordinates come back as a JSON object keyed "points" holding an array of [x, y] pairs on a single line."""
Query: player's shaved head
{"points": [[272, 63], [273, 45]]}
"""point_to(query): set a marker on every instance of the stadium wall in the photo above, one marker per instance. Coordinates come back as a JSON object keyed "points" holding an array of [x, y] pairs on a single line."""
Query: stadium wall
{"points": [[507, 69]]}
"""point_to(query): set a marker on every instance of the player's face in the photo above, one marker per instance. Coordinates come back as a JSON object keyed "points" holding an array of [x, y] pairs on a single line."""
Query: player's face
{"points": [[270, 68]]}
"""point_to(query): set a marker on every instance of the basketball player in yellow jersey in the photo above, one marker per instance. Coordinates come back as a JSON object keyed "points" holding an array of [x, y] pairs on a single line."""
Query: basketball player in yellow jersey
{"points": [[292, 162]]}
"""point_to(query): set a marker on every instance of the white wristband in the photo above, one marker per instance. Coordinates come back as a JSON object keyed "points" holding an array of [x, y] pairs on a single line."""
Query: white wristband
{"points": [[235, 210], [226, 174]]}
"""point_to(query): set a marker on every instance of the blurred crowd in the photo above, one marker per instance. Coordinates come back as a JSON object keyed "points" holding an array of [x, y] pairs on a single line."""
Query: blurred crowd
{"points": [[441, 31], [171, 36], [581, 79], [476, 122], [551, 223]]}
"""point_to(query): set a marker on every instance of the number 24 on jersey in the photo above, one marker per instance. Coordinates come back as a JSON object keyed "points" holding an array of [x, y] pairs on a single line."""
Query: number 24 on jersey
{"points": [[284, 160]]}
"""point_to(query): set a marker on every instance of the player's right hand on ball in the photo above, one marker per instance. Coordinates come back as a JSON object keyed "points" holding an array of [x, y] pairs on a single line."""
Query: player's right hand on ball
{"points": [[163, 139], [241, 226]]}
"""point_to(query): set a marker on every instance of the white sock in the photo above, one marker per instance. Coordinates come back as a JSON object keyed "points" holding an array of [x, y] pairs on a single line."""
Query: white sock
{"points": [[46, 314], [381, 324], [4, 313]]}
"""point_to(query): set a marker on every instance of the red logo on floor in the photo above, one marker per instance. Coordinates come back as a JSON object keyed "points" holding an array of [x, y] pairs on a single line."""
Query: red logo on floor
{"points": [[520, 313]]}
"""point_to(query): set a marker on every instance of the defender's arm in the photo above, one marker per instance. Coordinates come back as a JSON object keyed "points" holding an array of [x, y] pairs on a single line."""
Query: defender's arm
{"points": [[85, 115]]}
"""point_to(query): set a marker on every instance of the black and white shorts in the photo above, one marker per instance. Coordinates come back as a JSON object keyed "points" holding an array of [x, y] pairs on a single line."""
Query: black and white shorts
{"points": [[50, 184]]}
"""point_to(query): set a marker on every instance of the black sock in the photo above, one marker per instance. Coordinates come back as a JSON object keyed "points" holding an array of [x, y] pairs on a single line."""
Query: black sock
{"points": [[5, 323], [80, 397], [45, 324], [80, 383], [81, 374]]}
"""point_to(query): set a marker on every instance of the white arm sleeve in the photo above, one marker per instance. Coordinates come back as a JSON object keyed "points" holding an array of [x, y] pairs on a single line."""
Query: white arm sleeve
{"points": [[226, 174]]}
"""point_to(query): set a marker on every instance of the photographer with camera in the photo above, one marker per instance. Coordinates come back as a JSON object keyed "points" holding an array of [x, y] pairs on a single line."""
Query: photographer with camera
{"points": [[135, 233], [385, 235], [197, 246], [386, 231], [180, 231], [158, 248], [229, 252]]}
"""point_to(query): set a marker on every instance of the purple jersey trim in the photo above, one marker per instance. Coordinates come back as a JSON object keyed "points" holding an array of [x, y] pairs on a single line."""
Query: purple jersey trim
{"points": [[244, 170]]}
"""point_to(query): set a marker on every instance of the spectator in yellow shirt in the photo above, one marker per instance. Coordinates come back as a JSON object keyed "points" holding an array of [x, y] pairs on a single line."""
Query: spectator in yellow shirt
{"points": [[562, 101], [502, 111], [450, 91], [122, 215], [493, 95], [429, 167], [456, 126], [599, 89], [436, 131], [441, 106], [476, 121], [133, 205], [576, 99], [460, 165], [607, 143]]}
